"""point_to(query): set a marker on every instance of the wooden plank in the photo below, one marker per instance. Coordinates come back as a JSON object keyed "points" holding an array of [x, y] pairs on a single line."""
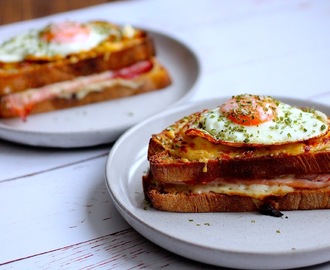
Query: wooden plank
{"points": [[122, 250], [56, 208], [20, 161]]}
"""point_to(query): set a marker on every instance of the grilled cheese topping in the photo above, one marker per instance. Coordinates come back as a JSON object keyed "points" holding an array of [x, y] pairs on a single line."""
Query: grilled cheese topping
{"points": [[194, 148], [99, 87], [59, 40]]}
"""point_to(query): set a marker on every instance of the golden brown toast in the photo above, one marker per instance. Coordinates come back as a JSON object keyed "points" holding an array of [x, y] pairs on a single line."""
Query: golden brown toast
{"points": [[164, 197], [156, 78], [109, 55], [124, 64], [175, 155], [189, 173]]}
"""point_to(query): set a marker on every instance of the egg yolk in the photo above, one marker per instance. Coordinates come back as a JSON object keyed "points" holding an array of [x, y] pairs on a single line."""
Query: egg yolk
{"points": [[249, 110], [66, 32]]}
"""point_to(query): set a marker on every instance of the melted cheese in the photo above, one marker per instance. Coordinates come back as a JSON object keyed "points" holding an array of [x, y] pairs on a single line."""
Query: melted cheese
{"points": [[80, 87], [198, 148], [30, 45], [255, 188], [257, 191], [195, 148], [99, 87]]}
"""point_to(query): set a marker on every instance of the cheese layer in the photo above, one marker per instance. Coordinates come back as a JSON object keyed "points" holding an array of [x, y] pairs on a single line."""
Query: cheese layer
{"points": [[195, 148], [78, 88], [256, 188]]}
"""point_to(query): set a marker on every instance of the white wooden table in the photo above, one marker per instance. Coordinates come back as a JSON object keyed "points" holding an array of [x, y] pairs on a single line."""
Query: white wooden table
{"points": [[56, 212]]}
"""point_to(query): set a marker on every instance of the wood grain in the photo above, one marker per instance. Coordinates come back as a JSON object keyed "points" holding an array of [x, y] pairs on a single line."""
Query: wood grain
{"points": [[56, 210], [122, 250], [21, 10]]}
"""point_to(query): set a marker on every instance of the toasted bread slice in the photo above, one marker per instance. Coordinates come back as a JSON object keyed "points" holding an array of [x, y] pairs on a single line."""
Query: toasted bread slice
{"points": [[109, 55], [175, 155], [169, 199], [190, 172], [154, 79], [116, 62]]}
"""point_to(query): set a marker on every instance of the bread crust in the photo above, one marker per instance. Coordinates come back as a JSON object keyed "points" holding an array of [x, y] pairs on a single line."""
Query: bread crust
{"points": [[156, 79], [301, 199], [307, 157], [178, 161], [37, 74], [258, 167]]}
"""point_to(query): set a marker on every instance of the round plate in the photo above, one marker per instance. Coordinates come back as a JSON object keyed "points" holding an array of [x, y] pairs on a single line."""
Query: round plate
{"points": [[238, 240], [104, 122]]}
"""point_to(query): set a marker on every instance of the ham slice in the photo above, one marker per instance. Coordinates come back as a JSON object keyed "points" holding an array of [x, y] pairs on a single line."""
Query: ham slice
{"points": [[22, 102], [309, 181]]}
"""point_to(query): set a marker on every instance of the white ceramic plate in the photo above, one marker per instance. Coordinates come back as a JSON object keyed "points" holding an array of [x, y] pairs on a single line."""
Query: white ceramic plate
{"points": [[239, 240], [105, 122]]}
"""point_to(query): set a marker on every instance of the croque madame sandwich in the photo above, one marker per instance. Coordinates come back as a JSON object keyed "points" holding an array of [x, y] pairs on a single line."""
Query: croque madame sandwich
{"points": [[252, 153], [69, 64]]}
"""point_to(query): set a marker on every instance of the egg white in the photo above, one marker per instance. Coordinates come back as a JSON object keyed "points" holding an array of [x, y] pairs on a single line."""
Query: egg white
{"points": [[291, 125], [29, 44]]}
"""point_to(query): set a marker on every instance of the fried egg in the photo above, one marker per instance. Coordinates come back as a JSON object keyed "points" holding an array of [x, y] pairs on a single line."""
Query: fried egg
{"points": [[259, 120], [58, 39]]}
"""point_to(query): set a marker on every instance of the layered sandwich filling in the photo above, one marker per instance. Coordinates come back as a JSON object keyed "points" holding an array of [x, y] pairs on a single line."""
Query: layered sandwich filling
{"points": [[255, 188], [22, 102], [253, 149]]}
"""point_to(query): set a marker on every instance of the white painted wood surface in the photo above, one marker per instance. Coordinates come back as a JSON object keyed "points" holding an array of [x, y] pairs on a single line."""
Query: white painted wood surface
{"points": [[56, 212]]}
